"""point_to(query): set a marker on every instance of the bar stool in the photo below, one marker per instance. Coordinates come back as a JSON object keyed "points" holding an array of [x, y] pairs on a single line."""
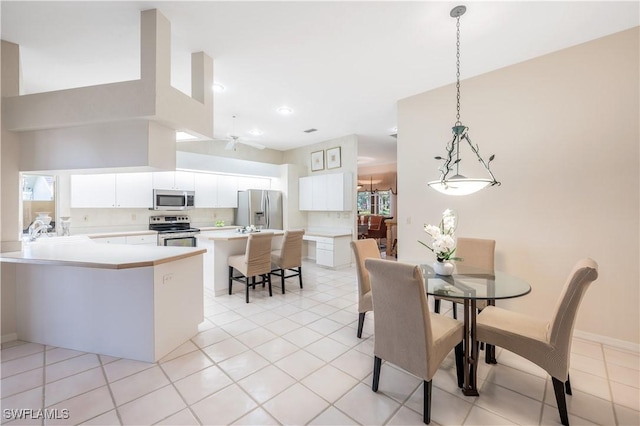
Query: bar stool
{"points": [[289, 257], [256, 261]]}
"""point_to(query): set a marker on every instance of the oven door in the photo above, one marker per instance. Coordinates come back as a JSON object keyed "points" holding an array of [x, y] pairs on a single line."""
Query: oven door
{"points": [[177, 241]]}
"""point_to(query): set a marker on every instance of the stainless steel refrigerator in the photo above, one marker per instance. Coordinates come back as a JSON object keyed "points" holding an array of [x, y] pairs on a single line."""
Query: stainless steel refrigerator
{"points": [[259, 207]]}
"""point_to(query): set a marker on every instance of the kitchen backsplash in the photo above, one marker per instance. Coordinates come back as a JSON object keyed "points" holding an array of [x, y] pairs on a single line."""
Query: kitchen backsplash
{"points": [[87, 221], [335, 220]]}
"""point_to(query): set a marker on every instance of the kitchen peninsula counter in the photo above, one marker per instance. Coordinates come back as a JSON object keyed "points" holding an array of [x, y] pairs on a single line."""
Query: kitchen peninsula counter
{"points": [[220, 245], [88, 254], [126, 301]]}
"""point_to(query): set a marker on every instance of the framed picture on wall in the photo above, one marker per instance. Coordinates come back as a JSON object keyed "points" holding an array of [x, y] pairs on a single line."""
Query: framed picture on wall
{"points": [[333, 158], [317, 161]]}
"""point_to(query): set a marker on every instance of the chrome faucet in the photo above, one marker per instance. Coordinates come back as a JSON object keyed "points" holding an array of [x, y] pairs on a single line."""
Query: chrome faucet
{"points": [[37, 228]]}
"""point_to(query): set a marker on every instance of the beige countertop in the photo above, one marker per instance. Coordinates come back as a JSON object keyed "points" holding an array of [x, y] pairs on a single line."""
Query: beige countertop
{"points": [[217, 228], [233, 235], [89, 254], [327, 234], [120, 234]]}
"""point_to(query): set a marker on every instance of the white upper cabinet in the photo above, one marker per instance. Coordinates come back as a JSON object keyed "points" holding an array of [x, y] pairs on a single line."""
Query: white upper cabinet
{"points": [[319, 191], [339, 192], [174, 180], [304, 195], [206, 186], [327, 192], [216, 191], [125, 190], [91, 191], [134, 190], [227, 191]]}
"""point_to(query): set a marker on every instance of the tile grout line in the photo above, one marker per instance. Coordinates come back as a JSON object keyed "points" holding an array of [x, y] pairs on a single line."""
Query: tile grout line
{"points": [[606, 372], [113, 399]]}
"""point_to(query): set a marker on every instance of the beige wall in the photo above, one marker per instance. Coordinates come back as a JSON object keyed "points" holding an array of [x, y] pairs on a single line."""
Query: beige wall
{"points": [[349, 156], [10, 195], [243, 152], [565, 131]]}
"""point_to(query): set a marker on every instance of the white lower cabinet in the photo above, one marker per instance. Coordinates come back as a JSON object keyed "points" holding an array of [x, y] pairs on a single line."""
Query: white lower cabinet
{"points": [[110, 240], [333, 252], [147, 240]]}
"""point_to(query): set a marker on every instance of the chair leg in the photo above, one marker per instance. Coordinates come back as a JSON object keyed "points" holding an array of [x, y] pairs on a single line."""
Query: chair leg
{"points": [[282, 279], [558, 387], [300, 275], [377, 362], [436, 306], [360, 324], [459, 351], [455, 311], [246, 290], [426, 413], [230, 279], [489, 354], [268, 278], [567, 386]]}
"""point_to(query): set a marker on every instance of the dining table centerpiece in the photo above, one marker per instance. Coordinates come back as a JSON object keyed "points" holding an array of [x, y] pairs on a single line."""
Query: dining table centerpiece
{"points": [[443, 243]]}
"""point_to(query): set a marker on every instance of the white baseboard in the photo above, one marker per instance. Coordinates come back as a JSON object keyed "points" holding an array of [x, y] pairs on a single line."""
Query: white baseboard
{"points": [[9, 337], [609, 341]]}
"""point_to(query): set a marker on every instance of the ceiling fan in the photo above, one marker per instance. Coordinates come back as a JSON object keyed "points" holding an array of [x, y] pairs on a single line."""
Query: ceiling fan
{"points": [[233, 140]]}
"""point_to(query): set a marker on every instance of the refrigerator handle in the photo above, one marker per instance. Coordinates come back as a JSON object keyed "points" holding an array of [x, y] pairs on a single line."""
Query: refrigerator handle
{"points": [[267, 211]]}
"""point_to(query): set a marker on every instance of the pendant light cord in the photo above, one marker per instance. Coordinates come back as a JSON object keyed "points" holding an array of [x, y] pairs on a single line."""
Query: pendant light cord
{"points": [[458, 70]]}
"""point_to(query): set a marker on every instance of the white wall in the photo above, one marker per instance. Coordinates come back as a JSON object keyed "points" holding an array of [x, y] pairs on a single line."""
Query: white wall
{"points": [[565, 131]]}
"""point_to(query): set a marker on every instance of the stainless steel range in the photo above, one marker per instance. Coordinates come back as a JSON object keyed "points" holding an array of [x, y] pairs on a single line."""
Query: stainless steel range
{"points": [[174, 230]]}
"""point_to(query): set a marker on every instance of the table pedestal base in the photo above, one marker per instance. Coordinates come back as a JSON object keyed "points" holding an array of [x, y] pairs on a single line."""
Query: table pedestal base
{"points": [[469, 387]]}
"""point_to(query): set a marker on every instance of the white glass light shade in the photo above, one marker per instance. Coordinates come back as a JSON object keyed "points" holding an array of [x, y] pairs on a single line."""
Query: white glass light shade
{"points": [[460, 185]]}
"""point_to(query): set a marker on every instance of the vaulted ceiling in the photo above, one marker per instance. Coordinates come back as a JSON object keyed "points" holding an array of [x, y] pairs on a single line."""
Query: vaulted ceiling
{"points": [[340, 66]]}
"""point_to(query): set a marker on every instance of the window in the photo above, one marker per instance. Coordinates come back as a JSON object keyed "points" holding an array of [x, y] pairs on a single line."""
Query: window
{"points": [[378, 202], [38, 198]]}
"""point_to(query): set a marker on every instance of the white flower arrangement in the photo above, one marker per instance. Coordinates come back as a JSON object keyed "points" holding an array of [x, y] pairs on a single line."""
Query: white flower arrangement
{"points": [[444, 243]]}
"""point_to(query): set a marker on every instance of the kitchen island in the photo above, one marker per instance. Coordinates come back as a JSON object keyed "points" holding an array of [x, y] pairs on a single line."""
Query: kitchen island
{"points": [[220, 245], [128, 301]]}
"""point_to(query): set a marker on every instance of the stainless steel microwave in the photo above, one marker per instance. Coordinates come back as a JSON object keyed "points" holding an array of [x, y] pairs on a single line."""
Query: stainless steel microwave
{"points": [[173, 199]]}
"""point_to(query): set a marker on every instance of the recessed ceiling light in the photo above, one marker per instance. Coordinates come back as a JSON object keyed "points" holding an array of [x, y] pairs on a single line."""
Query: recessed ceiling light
{"points": [[285, 110], [218, 88], [184, 136], [256, 132]]}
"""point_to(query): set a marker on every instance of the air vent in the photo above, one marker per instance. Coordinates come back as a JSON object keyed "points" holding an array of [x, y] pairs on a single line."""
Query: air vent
{"points": [[310, 130]]}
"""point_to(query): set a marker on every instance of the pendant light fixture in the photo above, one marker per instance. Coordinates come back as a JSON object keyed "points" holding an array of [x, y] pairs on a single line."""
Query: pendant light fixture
{"points": [[451, 182]]}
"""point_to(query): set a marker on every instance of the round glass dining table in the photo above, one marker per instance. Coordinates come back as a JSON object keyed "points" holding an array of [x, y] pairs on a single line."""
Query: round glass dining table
{"points": [[467, 285]]}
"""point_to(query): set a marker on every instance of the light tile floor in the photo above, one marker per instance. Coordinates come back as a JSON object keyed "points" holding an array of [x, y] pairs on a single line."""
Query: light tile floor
{"points": [[295, 359]]}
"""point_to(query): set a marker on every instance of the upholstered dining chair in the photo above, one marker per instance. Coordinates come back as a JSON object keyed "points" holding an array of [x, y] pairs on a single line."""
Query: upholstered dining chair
{"points": [[288, 257], [377, 228], [406, 333], [475, 252], [545, 343], [256, 261], [364, 249]]}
